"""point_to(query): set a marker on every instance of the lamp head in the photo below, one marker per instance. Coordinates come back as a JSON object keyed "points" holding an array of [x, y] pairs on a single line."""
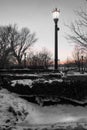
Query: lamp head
{"points": [[56, 13]]}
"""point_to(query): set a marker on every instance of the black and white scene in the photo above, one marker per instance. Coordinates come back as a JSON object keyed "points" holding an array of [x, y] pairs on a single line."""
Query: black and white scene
{"points": [[43, 64]]}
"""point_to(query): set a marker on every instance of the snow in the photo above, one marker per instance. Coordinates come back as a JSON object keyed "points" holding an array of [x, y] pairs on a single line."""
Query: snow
{"points": [[59, 113], [40, 75], [23, 81], [29, 82], [33, 75], [37, 115], [76, 74], [26, 114], [50, 81]]}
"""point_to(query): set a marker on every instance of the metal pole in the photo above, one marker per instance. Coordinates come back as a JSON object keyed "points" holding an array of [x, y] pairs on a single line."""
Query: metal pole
{"points": [[25, 60], [82, 65], [56, 44]]}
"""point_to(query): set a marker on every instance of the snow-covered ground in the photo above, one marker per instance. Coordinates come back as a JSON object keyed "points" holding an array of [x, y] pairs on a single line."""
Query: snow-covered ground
{"points": [[23, 81], [18, 113], [36, 74], [41, 75], [29, 82], [71, 73], [40, 78]]}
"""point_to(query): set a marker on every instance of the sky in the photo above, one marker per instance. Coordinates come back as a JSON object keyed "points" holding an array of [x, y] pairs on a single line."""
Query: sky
{"points": [[37, 16]]}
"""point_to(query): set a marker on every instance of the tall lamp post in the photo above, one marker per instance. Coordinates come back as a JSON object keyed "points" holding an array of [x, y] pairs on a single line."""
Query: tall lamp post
{"points": [[56, 18], [25, 60], [82, 64]]}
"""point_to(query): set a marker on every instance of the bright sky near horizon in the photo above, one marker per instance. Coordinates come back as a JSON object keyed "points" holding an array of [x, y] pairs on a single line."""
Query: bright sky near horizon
{"points": [[37, 16]]}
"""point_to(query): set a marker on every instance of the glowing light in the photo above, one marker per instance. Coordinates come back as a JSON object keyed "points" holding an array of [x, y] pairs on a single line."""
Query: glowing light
{"points": [[56, 13]]}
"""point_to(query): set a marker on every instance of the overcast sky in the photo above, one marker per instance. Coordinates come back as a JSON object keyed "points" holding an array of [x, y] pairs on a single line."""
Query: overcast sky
{"points": [[37, 16]]}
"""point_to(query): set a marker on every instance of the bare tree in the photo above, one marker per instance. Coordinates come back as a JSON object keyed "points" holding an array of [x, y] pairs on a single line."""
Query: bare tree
{"points": [[68, 63], [39, 60], [78, 29], [14, 43], [77, 56], [78, 53], [5, 47], [24, 40], [45, 58]]}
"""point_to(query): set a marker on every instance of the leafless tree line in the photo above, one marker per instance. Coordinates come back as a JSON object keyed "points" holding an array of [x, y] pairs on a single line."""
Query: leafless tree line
{"points": [[14, 45], [78, 29], [78, 36], [40, 59]]}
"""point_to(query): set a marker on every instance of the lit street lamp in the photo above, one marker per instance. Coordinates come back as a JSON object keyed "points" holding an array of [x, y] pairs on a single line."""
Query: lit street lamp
{"points": [[56, 18]]}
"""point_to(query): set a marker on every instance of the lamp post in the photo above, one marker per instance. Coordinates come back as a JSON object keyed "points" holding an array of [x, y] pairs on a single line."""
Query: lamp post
{"points": [[56, 18], [82, 64], [25, 60]]}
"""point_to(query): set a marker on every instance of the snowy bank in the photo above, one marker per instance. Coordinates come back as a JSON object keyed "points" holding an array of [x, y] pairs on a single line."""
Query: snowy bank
{"points": [[16, 112]]}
